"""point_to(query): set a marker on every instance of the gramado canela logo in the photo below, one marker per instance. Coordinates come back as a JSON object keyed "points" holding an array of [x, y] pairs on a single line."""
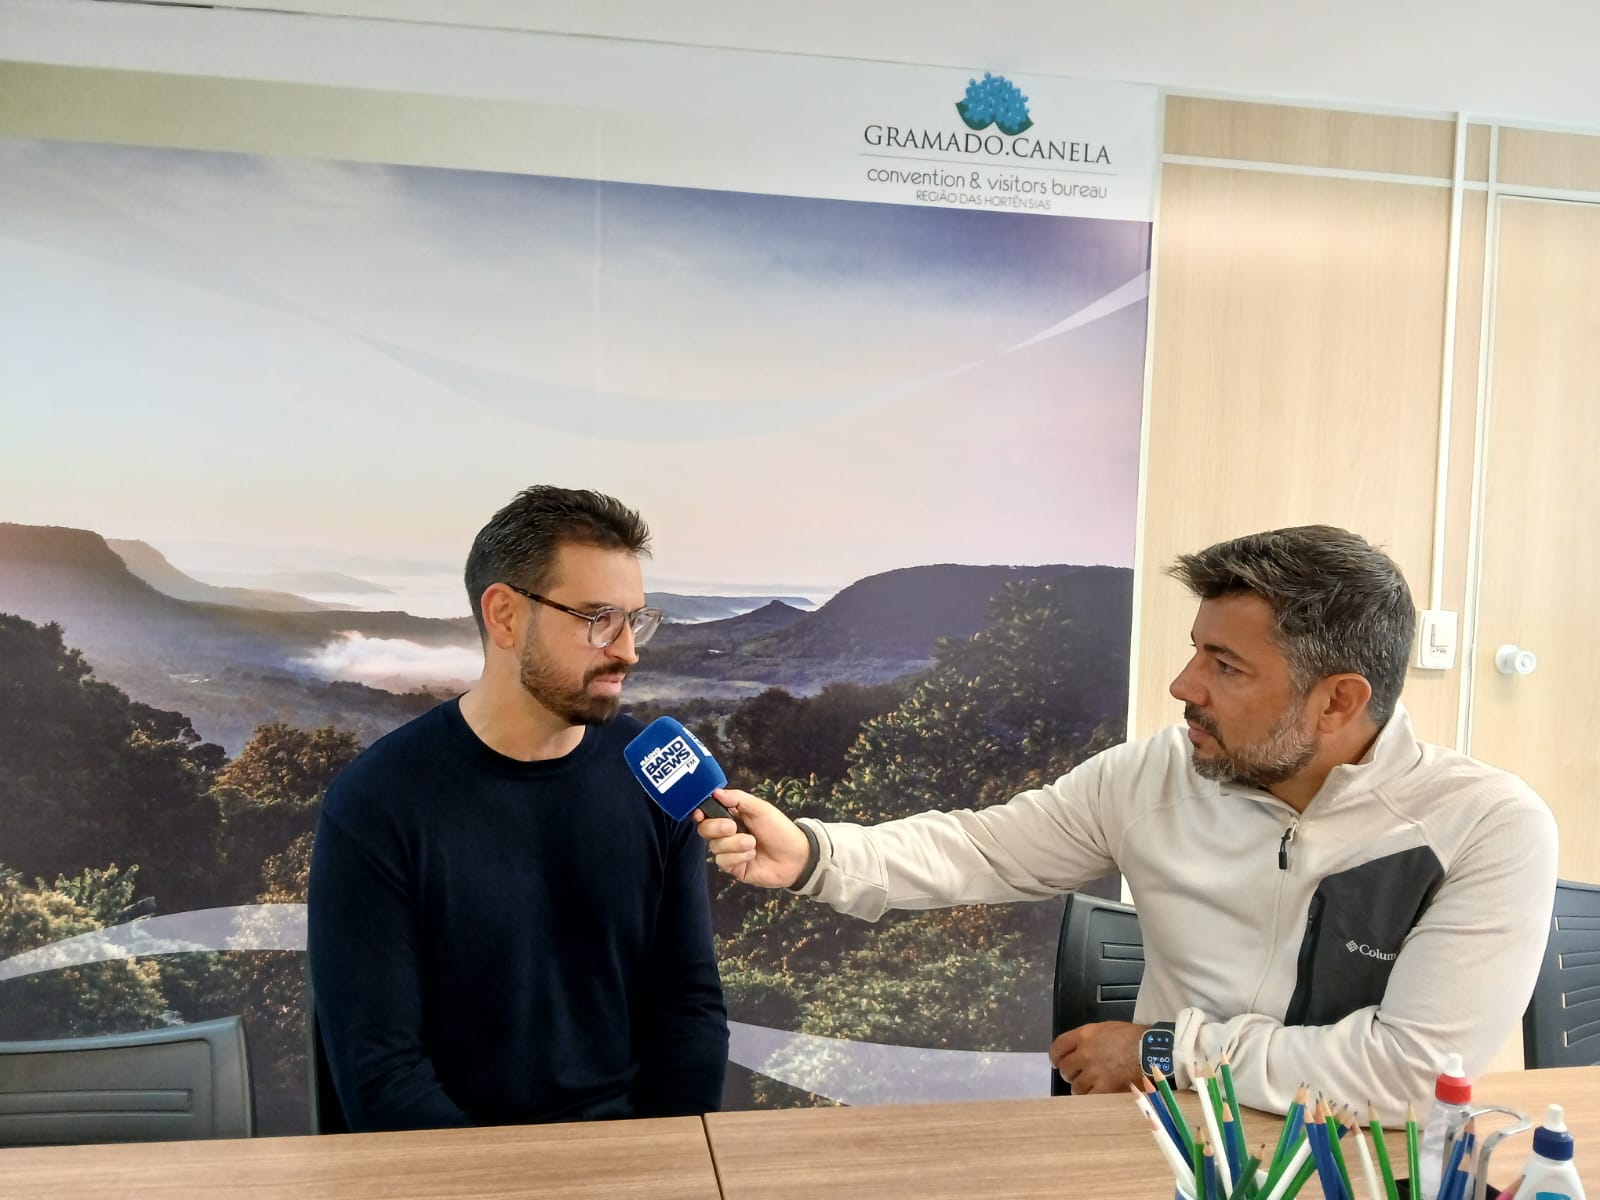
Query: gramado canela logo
{"points": [[996, 101], [996, 115]]}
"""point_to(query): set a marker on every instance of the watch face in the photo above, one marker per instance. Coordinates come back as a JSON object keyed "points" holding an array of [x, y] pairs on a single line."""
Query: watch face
{"points": [[1155, 1050]]}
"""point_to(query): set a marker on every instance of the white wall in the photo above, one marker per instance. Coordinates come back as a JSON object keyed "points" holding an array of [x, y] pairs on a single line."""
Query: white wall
{"points": [[1531, 60]]}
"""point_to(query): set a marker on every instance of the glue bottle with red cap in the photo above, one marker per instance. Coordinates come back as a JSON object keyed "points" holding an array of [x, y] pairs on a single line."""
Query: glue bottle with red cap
{"points": [[1452, 1097]]}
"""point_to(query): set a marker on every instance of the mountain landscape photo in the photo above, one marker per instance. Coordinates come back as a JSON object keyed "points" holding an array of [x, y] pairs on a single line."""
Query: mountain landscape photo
{"points": [[888, 455], [234, 658]]}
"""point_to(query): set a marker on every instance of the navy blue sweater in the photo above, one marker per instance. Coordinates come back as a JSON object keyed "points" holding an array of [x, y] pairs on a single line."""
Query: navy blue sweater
{"points": [[497, 942]]}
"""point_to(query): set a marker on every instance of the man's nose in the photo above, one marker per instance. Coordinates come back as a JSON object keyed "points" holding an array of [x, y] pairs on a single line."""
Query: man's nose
{"points": [[1185, 688], [623, 648]]}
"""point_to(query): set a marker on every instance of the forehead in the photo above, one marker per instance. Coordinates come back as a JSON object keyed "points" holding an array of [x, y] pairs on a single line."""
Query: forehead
{"points": [[594, 575], [1241, 623]]}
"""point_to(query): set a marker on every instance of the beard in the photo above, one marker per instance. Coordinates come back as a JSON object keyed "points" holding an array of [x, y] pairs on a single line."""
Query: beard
{"points": [[573, 705], [1282, 753]]}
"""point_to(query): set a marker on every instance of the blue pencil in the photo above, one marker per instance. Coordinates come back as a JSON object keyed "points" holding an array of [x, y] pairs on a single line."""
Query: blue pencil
{"points": [[1461, 1164], [1447, 1180], [1165, 1118], [1293, 1123], [1232, 1143], [1327, 1173]]}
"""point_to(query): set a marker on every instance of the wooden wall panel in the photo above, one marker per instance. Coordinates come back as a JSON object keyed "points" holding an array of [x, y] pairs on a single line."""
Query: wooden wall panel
{"points": [[1477, 153], [1549, 160], [1296, 375], [1313, 137]]}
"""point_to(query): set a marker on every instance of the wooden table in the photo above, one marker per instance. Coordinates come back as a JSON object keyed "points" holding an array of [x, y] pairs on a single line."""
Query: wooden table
{"points": [[1038, 1149], [1010, 1150], [610, 1160]]}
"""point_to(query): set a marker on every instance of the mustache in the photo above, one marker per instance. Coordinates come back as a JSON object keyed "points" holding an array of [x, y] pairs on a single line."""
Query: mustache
{"points": [[605, 673], [1191, 713]]}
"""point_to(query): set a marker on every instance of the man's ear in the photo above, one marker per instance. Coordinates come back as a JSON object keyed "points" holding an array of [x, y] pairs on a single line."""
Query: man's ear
{"points": [[498, 604], [1344, 701]]}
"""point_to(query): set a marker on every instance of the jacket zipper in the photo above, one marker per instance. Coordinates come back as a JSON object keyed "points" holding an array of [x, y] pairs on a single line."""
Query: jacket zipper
{"points": [[1283, 846], [1284, 843]]}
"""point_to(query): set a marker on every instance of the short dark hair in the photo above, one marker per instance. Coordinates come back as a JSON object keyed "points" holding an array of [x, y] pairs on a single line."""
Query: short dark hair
{"points": [[519, 543], [1340, 603]]}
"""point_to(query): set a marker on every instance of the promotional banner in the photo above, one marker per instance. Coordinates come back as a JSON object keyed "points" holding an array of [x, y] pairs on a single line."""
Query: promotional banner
{"points": [[863, 343]]}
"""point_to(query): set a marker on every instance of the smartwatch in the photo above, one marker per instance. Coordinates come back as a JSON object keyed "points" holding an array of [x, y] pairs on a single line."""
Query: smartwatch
{"points": [[1155, 1049]]}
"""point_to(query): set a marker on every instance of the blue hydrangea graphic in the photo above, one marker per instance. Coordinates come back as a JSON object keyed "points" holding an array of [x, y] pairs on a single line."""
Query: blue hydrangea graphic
{"points": [[995, 101]]}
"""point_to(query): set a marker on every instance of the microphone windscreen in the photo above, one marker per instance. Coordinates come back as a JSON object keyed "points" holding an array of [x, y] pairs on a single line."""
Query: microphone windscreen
{"points": [[676, 769]]}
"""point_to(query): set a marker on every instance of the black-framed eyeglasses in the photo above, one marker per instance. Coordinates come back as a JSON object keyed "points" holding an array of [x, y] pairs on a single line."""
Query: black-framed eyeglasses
{"points": [[605, 624]]}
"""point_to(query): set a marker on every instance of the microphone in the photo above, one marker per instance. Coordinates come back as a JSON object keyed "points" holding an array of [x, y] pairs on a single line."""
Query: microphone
{"points": [[676, 769]]}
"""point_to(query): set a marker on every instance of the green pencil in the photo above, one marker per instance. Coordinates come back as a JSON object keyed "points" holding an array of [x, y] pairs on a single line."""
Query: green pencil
{"points": [[1280, 1164], [1299, 1181], [1381, 1151], [1333, 1145], [1177, 1113], [1412, 1163], [1244, 1186], [1233, 1103], [1292, 1121]]}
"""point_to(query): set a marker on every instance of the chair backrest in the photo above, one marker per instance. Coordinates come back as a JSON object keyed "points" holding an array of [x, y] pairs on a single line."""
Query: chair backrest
{"points": [[1099, 963], [1561, 1027], [326, 1114], [184, 1081]]}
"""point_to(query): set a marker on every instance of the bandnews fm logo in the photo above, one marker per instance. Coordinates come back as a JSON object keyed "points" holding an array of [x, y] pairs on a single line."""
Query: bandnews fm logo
{"points": [[997, 119], [665, 765]]}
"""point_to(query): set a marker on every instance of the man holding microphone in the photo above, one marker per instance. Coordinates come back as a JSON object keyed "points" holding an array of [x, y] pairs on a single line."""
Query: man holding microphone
{"points": [[1312, 881]]}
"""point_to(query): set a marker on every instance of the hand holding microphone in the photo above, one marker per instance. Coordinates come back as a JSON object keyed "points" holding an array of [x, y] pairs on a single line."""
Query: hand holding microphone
{"points": [[679, 774]]}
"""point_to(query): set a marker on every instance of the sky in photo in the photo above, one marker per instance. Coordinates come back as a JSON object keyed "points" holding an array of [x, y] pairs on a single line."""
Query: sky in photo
{"points": [[262, 364]]}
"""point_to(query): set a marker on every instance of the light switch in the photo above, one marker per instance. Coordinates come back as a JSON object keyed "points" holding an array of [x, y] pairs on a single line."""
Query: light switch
{"points": [[1436, 639]]}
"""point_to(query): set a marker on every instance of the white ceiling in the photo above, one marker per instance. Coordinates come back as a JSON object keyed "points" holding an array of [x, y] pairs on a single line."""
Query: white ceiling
{"points": [[1531, 61]]}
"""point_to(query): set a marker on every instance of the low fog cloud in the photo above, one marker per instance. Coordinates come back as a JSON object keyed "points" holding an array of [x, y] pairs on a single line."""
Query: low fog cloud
{"points": [[394, 663]]}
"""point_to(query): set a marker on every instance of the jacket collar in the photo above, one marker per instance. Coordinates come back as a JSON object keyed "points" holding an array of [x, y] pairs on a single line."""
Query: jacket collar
{"points": [[1393, 752]]}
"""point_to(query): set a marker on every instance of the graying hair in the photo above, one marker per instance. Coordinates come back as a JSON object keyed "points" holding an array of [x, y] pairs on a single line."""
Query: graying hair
{"points": [[519, 543], [1340, 604]]}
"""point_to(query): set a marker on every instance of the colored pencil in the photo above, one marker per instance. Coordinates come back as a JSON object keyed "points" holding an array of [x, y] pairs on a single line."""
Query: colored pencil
{"points": [[1299, 1181], [1327, 1173], [1413, 1165], [1280, 1164], [1166, 1141], [1203, 1086], [1165, 1089], [1246, 1182], [1237, 1145], [1457, 1175], [1292, 1123], [1380, 1150], [1232, 1142], [1368, 1173], [1291, 1173], [1159, 1107], [1335, 1133]]}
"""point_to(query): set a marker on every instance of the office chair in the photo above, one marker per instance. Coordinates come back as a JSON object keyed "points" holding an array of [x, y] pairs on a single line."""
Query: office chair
{"points": [[181, 1082], [1561, 1027], [1099, 964]]}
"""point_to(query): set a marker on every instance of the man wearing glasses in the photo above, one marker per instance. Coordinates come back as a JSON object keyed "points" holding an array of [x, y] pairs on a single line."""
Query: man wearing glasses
{"points": [[469, 968]]}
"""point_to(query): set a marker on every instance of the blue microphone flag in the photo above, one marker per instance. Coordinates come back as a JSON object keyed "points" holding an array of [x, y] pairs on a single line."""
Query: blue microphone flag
{"points": [[676, 769]]}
